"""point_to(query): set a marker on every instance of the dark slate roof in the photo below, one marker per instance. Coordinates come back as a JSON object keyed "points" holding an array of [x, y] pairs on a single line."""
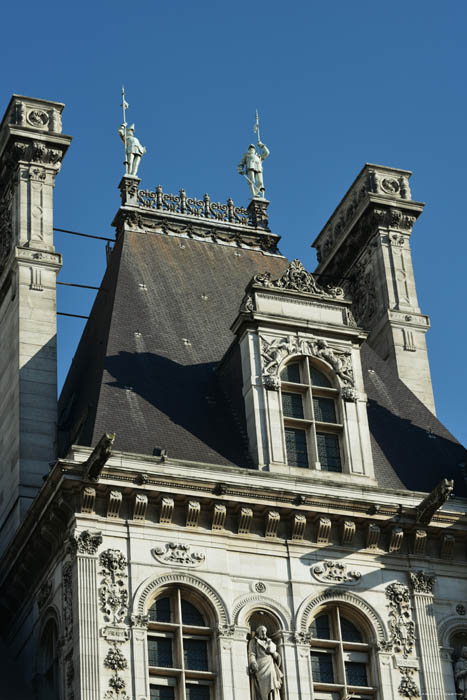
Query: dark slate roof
{"points": [[145, 367]]}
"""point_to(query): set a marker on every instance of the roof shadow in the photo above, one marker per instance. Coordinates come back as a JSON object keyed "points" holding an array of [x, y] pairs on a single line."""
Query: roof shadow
{"points": [[183, 404]]}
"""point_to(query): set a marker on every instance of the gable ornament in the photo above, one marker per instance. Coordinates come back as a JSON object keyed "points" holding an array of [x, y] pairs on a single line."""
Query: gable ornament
{"points": [[275, 351], [297, 279]]}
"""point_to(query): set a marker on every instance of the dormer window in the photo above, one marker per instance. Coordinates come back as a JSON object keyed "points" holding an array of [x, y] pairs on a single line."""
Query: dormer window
{"points": [[312, 417]]}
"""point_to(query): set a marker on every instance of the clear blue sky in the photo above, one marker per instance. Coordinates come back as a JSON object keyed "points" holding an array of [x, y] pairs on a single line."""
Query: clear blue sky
{"points": [[337, 84]]}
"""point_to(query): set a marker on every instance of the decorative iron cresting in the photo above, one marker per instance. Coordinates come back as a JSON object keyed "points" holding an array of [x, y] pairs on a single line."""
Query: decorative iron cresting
{"points": [[192, 206]]}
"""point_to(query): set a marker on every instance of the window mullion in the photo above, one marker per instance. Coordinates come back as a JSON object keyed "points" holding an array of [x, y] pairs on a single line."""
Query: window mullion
{"points": [[340, 652], [181, 655], [312, 430]]}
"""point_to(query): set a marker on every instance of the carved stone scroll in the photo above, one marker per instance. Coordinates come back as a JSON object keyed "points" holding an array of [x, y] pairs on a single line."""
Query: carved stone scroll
{"points": [[372, 536], [335, 572], [88, 499], [244, 521], [178, 553], [348, 532], [114, 503], [167, 509], [419, 542], [140, 505], [193, 511], [219, 513], [272, 523], [396, 538], [324, 530], [298, 527]]}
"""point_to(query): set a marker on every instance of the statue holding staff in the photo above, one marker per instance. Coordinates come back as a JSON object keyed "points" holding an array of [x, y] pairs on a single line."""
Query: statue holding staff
{"points": [[251, 164], [264, 663], [134, 151]]}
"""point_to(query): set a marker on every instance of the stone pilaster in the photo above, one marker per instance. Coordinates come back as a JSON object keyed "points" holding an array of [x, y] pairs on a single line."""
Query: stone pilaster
{"points": [[430, 656], [87, 623], [31, 150]]}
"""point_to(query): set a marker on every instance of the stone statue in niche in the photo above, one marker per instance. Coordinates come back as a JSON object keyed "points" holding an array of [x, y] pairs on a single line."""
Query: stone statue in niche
{"points": [[264, 665], [460, 674]]}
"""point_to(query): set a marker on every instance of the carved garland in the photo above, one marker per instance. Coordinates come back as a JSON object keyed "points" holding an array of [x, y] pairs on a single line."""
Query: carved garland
{"points": [[179, 554], [401, 624], [148, 588], [274, 352], [331, 596], [335, 572], [244, 604]]}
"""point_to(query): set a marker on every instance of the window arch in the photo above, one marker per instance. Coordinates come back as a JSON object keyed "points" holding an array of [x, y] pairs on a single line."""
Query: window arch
{"points": [[312, 416], [181, 657], [341, 655], [48, 666]]}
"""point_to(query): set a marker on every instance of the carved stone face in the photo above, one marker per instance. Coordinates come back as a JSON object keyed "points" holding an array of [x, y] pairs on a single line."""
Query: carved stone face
{"points": [[464, 652], [262, 633]]}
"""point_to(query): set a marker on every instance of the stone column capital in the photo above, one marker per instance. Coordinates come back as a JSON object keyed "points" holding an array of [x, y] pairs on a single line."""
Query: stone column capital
{"points": [[422, 582]]}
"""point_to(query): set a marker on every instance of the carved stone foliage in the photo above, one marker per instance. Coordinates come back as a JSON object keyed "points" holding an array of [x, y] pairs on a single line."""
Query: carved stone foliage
{"points": [[44, 594], [401, 624], [113, 594], [335, 572], [179, 554], [422, 583], [86, 542], [362, 289], [115, 661], [67, 601], [408, 687], [6, 230], [275, 351], [297, 279]]}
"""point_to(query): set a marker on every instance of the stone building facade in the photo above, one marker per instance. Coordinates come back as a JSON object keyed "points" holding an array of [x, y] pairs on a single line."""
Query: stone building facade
{"points": [[238, 443]]}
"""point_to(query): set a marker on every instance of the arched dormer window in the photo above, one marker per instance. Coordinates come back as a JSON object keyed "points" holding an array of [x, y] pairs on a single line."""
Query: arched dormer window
{"points": [[180, 653], [312, 417], [341, 662]]}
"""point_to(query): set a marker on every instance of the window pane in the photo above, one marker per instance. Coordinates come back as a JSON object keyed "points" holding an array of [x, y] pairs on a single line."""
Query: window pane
{"points": [[325, 409], [320, 628], [318, 379], [197, 692], [160, 610], [160, 652], [349, 632], [328, 452], [191, 616], [162, 692], [196, 654], [292, 405], [355, 673], [291, 373], [321, 667], [295, 443]]}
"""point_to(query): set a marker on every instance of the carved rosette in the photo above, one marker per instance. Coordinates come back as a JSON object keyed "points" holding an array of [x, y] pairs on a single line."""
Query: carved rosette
{"points": [[275, 351], [178, 554], [401, 624], [335, 572], [422, 583], [297, 279]]}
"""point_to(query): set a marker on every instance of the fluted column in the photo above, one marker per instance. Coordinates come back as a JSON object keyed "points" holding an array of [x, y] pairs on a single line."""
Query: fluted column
{"points": [[432, 672]]}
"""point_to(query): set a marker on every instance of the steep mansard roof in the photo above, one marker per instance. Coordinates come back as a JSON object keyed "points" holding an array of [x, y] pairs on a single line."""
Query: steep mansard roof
{"points": [[145, 367]]}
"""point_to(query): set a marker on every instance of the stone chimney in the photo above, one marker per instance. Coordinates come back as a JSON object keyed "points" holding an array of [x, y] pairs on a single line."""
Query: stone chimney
{"points": [[31, 150], [365, 247]]}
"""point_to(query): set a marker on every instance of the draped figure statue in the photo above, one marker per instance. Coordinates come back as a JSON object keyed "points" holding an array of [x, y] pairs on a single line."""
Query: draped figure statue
{"points": [[460, 673], [264, 664]]}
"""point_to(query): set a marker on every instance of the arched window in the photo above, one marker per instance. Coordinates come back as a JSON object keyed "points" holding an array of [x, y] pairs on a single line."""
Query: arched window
{"points": [[180, 655], [312, 417], [48, 677], [340, 656]]}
